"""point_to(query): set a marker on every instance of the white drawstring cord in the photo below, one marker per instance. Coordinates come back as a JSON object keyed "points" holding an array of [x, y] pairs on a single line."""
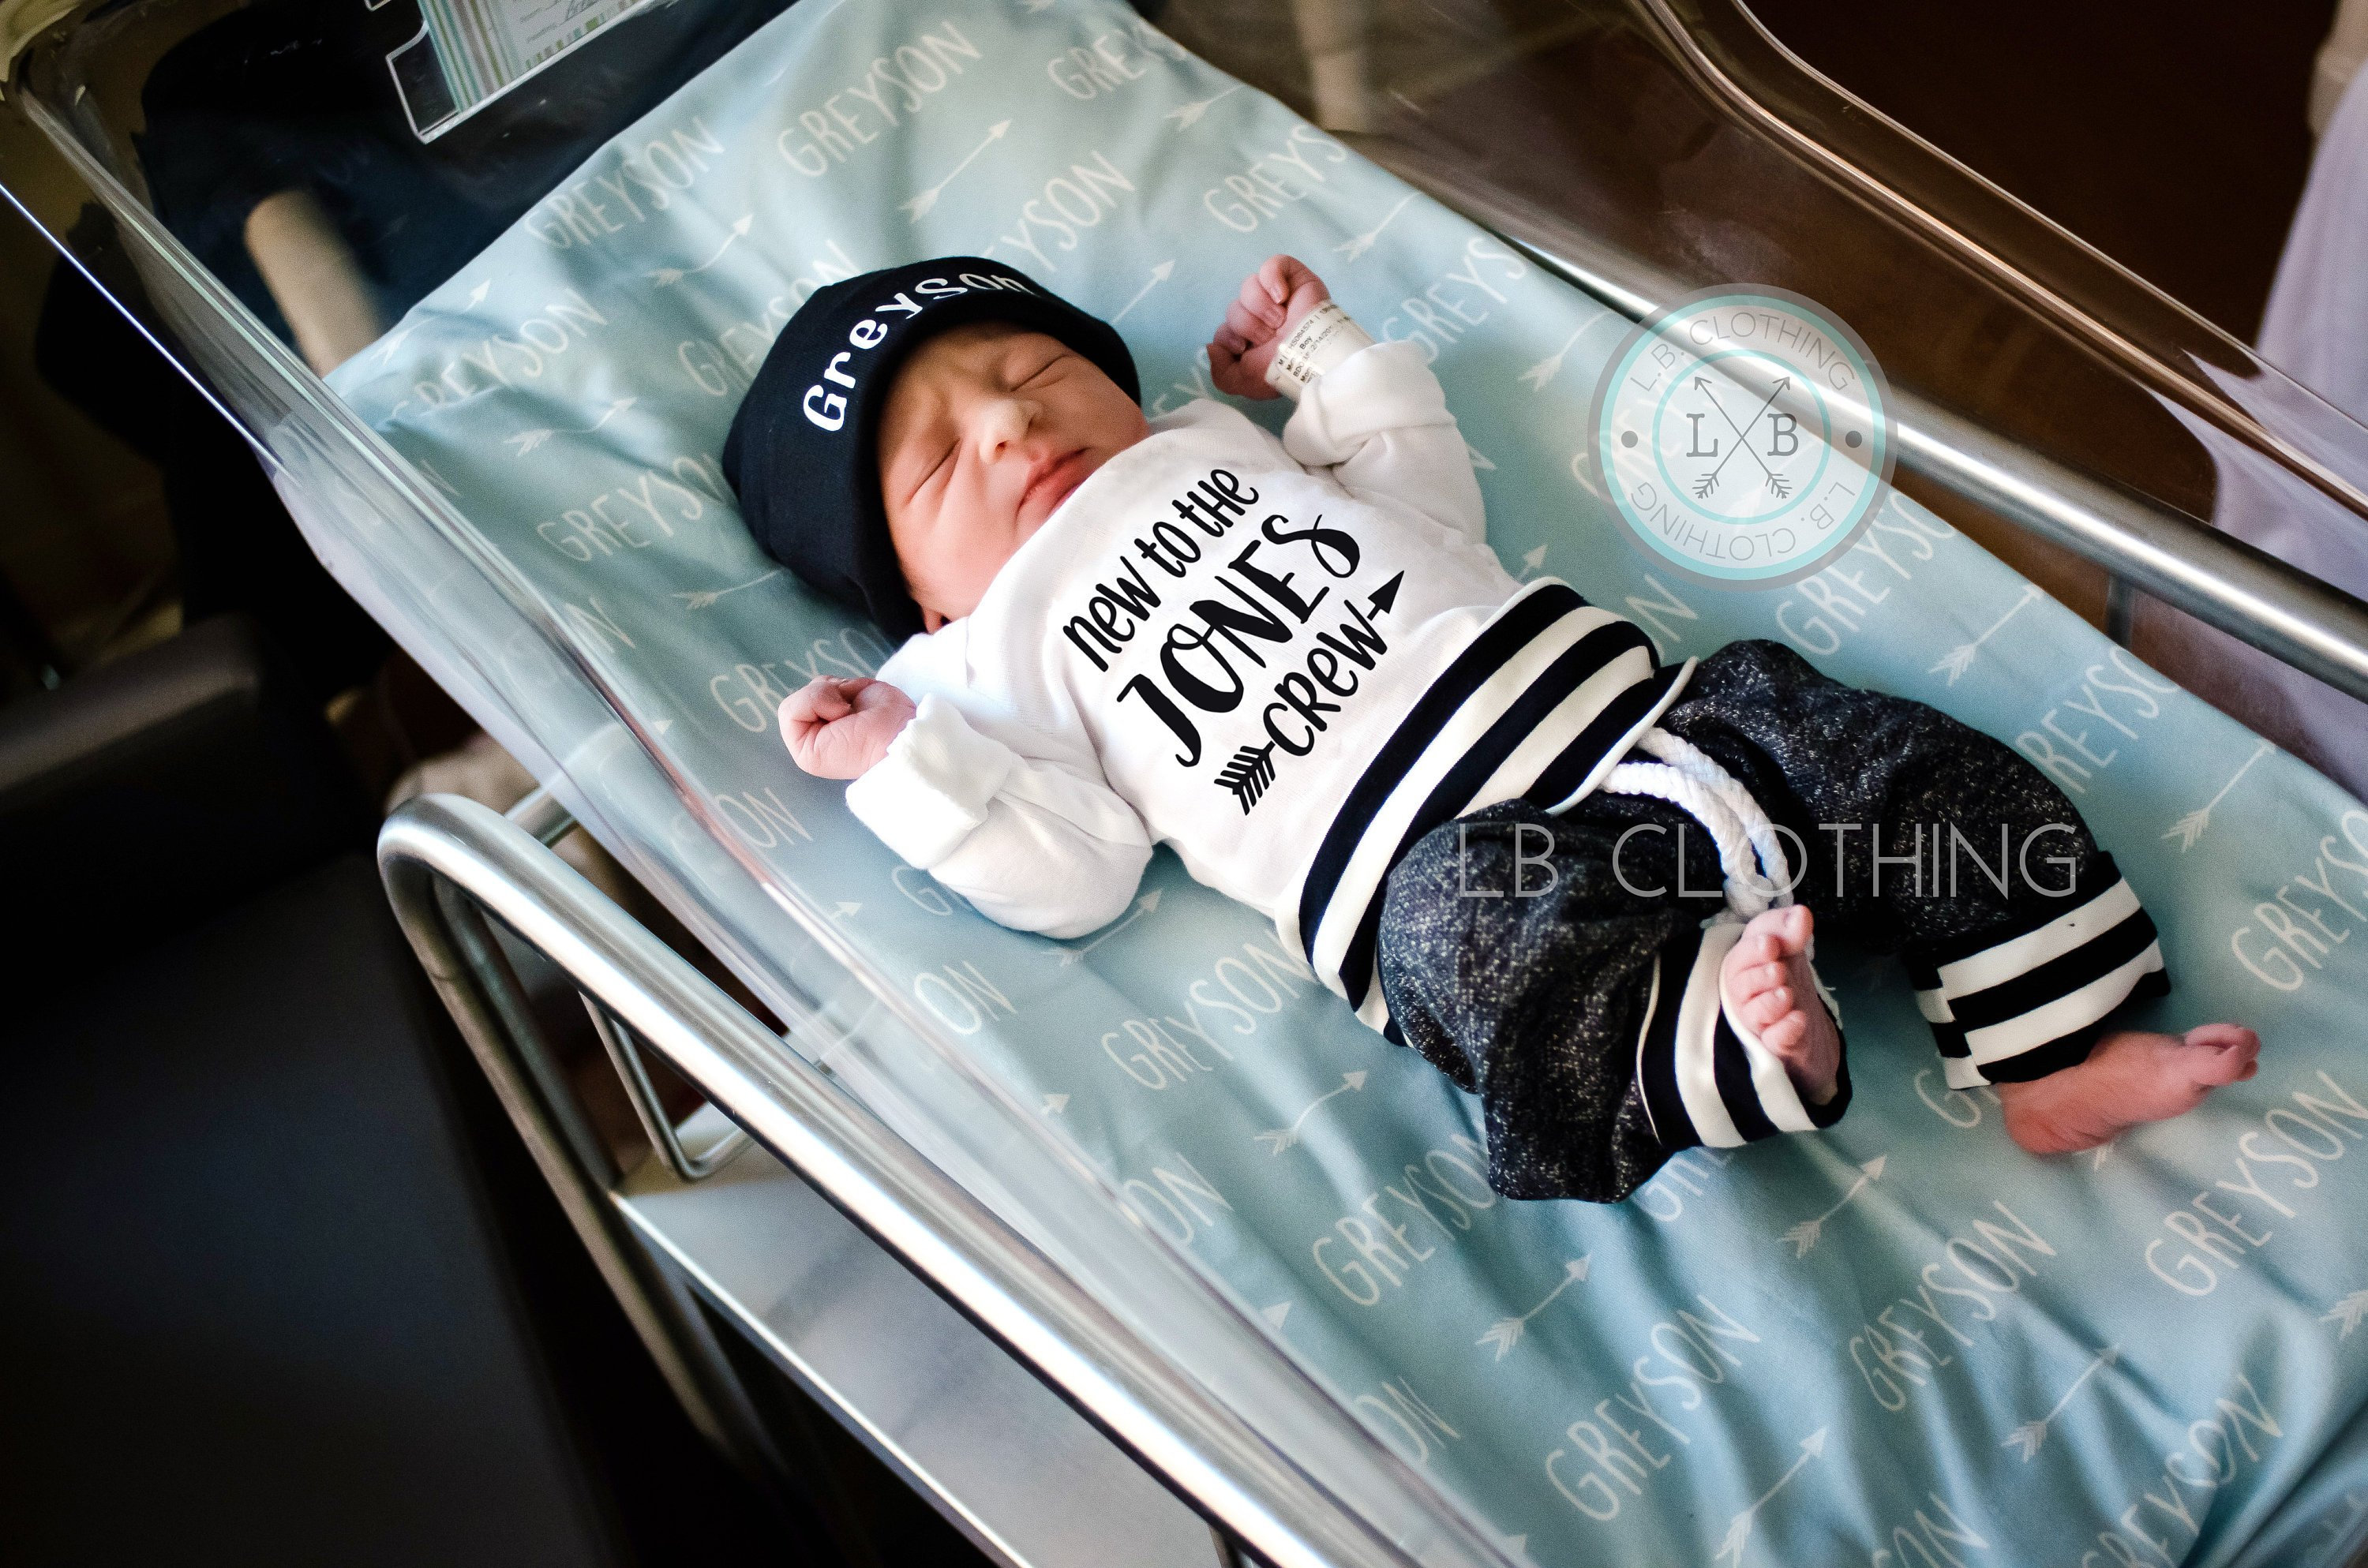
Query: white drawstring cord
{"points": [[1690, 760], [1703, 789], [1699, 786]]}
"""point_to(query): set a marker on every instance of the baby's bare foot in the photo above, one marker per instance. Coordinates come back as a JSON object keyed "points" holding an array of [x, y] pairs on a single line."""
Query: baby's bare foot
{"points": [[1766, 982], [2131, 1077]]}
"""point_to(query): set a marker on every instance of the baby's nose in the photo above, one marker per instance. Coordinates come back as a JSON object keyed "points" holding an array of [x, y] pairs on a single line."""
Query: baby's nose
{"points": [[1007, 423]]}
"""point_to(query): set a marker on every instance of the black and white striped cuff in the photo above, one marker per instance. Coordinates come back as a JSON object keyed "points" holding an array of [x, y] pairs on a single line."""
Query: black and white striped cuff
{"points": [[1704, 1075], [2024, 1004]]}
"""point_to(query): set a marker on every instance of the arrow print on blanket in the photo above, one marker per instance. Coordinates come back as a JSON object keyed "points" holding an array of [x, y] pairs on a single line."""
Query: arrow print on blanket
{"points": [[1187, 116], [2189, 828], [386, 349], [1532, 560], [1739, 1533], [918, 207], [528, 441], [1275, 1315], [2032, 1434], [1143, 906], [1960, 659], [1358, 245], [2348, 1313], [393, 341], [1547, 369], [1159, 275], [1277, 1138], [1506, 1333], [667, 277], [700, 599], [1805, 1235], [1056, 1105]]}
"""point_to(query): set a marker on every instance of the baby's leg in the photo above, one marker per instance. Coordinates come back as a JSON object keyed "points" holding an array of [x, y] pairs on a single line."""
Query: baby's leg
{"points": [[1517, 954], [1931, 839]]}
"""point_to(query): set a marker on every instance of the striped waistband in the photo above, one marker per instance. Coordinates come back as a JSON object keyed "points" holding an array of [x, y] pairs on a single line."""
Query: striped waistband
{"points": [[1539, 706]]}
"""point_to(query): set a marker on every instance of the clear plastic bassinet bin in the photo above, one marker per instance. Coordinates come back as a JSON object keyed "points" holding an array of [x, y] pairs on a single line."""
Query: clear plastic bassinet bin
{"points": [[483, 284]]}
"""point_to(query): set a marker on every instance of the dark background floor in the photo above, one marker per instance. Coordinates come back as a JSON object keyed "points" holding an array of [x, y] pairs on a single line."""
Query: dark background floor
{"points": [[2170, 134]]}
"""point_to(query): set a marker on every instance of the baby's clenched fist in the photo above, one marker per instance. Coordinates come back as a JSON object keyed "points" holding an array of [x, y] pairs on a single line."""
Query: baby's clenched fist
{"points": [[1273, 300], [838, 728]]}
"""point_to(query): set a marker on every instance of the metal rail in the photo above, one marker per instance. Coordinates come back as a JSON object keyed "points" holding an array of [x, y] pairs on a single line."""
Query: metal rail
{"points": [[2220, 580], [1708, 55], [448, 863]]}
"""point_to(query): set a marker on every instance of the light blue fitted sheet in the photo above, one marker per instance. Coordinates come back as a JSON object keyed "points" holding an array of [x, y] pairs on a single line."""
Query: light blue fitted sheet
{"points": [[1901, 1343]]}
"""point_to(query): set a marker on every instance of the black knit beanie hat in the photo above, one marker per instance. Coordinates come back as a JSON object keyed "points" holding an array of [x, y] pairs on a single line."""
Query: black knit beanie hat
{"points": [[803, 450]]}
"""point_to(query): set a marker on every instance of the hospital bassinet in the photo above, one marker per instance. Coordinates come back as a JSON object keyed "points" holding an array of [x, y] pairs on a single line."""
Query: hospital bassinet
{"points": [[1243, 1241]]}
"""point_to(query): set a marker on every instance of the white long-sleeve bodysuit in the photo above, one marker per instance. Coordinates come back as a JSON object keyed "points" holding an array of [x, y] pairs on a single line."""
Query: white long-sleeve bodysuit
{"points": [[1287, 659], [1292, 660]]}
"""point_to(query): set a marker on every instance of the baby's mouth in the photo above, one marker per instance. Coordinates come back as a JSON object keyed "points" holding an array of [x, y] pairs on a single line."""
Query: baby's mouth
{"points": [[1052, 483]]}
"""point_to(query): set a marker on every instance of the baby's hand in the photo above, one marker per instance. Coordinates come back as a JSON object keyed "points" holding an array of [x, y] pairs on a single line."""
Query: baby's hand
{"points": [[838, 728], [1272, 301]]}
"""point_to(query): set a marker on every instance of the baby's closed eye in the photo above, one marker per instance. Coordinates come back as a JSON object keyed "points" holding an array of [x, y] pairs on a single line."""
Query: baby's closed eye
{"points": [[937, 469]]}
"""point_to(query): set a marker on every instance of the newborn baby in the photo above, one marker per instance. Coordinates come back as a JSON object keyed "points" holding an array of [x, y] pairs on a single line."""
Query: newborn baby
{"points": [[1480, 807]]}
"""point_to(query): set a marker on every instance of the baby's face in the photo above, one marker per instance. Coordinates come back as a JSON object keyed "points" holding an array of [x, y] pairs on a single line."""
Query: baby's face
{"points": [[986, 430]]}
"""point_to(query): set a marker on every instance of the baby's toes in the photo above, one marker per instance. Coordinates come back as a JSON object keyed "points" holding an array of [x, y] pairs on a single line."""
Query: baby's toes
{"points": [[1762, 1012], [2213, 1068], [1787, 1032]]}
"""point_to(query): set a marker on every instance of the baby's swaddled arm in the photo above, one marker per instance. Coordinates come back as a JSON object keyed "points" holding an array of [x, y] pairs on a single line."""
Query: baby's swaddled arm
{"points": [[1378, 421], [1036, 843], [1372, 413]]}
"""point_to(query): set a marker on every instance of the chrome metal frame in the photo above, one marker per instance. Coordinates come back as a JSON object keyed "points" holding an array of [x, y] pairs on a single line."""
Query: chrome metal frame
{"points": [[451, 867], [2221, 580], [541, 816], [690, 1164], [457, 946]]}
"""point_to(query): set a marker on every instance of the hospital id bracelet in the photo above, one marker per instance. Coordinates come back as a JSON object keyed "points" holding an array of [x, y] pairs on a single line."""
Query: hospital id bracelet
{"points": [[1324, 337]]}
